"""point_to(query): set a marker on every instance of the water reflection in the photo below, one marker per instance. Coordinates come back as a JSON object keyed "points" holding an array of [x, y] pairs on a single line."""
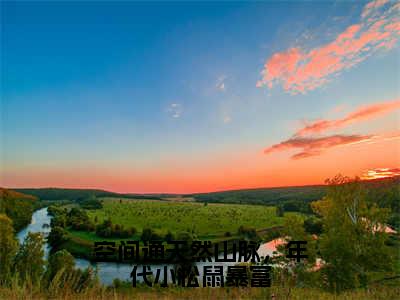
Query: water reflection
{"points": [[107, 271]]}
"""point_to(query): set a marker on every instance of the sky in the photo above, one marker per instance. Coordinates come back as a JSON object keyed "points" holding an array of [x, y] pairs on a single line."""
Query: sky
{"points": [[184, 97]]}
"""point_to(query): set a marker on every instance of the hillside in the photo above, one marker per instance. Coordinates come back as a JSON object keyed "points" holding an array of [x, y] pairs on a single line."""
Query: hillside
{"points": [[265, 196], [307, 192], [297, 198], [75, 194], [18, 206], [6, 193]]}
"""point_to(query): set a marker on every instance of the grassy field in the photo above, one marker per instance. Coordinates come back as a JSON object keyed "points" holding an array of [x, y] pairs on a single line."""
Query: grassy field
{"points": [[205, 221]]}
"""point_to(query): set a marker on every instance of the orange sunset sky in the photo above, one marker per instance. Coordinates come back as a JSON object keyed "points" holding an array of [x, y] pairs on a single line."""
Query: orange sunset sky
{"points": [[198, 97]]}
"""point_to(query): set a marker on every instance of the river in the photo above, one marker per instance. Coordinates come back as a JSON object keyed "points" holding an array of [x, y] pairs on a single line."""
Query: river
{"points": [[107, 271]]}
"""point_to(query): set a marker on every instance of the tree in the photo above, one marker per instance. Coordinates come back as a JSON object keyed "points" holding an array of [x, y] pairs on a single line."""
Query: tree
{"points": [[8, 248], [313, 225], [147, 234], [352, 244], [298, 273], [91, 202], [29, 262], [19, 210], [280, 211], [57, 236], [61, 261], [249, 233], [169, 236]]}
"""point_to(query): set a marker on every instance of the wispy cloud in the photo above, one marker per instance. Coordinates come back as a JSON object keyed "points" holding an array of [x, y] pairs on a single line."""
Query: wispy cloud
{"points": [[312, 146], [175, 110], [226, 119], [380, 173], [361, 114], [220, 84], [299, 70]]}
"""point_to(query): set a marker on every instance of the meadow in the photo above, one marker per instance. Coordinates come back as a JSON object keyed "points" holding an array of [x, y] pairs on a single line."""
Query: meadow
{"points": [[202, 220]]}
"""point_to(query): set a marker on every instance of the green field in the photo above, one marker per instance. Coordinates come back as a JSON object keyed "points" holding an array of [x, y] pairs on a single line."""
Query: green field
{"points": [[205, 221]]}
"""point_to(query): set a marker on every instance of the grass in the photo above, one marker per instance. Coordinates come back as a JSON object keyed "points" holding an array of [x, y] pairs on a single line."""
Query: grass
{"points": [[275, 292], [205, 221]]}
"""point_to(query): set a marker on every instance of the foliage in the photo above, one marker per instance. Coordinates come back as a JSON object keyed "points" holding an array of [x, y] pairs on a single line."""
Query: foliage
{"points": [[29, 262], [352, 243], [57, 237], [8, 248], [291, 198], [76, 195], [386, 194], [248, 232], [313, 225], [59, 261], [122, 290], [79, 220], [108, 229], [17, 206], [147, 235], [280, 211], [169, 236], [290, 270], [91, 203]]}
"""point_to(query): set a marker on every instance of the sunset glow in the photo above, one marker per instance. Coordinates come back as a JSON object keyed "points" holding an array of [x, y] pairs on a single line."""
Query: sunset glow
{"points": [[198, 97], [380, 173]]}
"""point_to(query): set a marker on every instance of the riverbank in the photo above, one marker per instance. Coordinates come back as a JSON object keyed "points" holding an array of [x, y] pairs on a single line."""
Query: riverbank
{"points": [[108, 271]]}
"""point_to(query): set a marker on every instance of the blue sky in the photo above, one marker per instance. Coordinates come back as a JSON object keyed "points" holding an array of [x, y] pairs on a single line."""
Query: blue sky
{"points": [[129, 86]]}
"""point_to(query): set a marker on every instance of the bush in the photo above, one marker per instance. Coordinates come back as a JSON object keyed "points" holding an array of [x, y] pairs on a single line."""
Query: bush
{"points": [[91, 203], [147, 234], [57, 236], [248, 232], [313, 225], [79, 220], [107, 229], [169, 237]]}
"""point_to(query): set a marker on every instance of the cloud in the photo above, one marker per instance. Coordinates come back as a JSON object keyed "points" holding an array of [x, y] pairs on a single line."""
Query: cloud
{"points": [[361, 114], [370, 7], [175, 110], [300, 70], [339, 108], [226, 119], [220, 84], [312, 146], [380, 173]]}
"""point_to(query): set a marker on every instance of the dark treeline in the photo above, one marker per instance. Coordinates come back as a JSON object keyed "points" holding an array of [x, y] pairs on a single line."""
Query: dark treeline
{"points": [[77, 195], [291, 198]]}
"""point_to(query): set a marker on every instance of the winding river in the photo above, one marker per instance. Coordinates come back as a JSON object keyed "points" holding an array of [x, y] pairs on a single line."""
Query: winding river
{"points": [[107, 271]]}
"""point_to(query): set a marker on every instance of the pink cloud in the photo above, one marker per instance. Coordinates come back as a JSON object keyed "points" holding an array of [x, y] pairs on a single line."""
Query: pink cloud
{"points": [[372, 6], [361, 114], [299, 70], [312, 146], [380, 173]]}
